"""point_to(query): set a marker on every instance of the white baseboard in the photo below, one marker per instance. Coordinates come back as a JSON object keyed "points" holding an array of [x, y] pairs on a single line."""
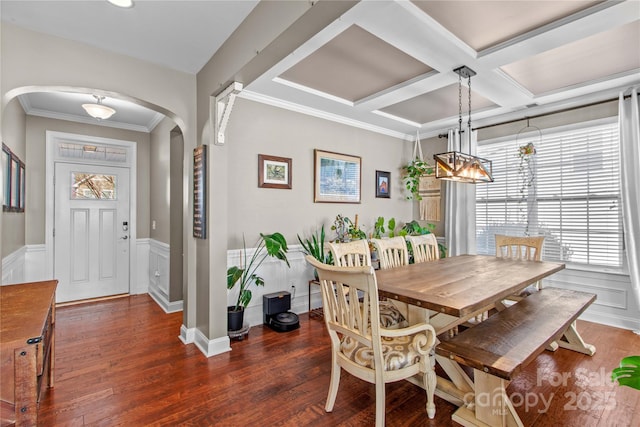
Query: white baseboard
{"points": [[609, 319], [163, 301], [211, 347], [187, 335]]}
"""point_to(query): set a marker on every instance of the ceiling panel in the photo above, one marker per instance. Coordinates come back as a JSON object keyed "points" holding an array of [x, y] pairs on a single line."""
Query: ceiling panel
{"points": [[437, 105], [482, 24], [354, 65], [589, 59]]}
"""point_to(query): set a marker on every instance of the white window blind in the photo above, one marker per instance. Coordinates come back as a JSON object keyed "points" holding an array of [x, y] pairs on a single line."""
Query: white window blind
{"points": [[569, 191]]}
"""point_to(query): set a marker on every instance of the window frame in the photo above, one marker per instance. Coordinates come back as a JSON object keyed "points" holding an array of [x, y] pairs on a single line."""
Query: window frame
{"points": [[623, 268]]}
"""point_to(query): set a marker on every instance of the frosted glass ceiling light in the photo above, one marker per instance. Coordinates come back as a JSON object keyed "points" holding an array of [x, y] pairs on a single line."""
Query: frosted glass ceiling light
{"points": [[99, 110], [121, 3], [458, 166]]}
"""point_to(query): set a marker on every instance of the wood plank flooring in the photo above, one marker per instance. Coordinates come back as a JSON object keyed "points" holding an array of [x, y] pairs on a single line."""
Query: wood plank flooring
{"points": [[120, 362]]}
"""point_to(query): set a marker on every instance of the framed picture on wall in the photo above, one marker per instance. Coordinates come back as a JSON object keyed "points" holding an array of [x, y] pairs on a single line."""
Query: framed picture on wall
{"points": [[383, 184], [336, 177], [274, 172]]}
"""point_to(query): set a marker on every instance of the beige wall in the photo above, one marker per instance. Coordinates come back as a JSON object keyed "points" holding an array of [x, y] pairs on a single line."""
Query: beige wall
{"points": [[160, 198], [176, 218], [36, 142], [598, 111], [257, 128], [13, 135]]}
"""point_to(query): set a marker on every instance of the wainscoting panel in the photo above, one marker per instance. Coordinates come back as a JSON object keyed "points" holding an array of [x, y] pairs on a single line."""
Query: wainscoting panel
{"points": [[13, 267], [158, 276], [140, 283], [277, 277], [614, 306]]}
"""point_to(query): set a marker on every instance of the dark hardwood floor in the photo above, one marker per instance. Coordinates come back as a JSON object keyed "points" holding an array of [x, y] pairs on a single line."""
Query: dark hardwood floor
{"points": [[120, 362]]}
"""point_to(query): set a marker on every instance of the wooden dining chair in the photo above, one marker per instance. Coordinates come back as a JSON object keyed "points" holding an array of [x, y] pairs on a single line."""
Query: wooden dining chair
{"points": [[391, 252], [350, 254], [357, 254], [362, 346], [425, 248], [528, 248]]}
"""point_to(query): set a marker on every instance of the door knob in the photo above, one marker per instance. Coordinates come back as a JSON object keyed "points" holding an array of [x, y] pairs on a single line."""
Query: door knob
{"points": [[124, 237]]}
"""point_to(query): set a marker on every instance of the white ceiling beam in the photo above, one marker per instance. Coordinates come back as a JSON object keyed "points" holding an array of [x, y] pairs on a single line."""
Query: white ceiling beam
{"points": [[602, 17]]}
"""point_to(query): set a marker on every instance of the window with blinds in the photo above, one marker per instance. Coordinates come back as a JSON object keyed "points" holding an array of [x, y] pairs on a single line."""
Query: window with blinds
{"points": [[568, 191]]}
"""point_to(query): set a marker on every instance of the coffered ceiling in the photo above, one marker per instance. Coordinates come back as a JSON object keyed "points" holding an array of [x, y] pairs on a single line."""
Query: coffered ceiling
{"points": [[388, 65]]}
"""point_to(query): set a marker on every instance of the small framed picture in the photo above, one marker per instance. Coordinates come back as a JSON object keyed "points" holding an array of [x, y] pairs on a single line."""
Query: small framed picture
{"points": [[383, 184], [274, 172]]}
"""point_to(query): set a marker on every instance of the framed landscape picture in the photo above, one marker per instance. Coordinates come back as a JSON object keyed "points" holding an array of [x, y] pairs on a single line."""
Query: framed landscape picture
{"points": [[336, 177], [383, 184], [274, 172]]}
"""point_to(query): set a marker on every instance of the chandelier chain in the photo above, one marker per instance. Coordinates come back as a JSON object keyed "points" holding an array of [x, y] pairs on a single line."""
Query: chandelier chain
{"points": [[460, 103], [469, 123]]}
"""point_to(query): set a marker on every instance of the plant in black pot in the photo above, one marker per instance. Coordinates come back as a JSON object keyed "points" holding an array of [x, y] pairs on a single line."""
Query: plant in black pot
{"points": [[268, 245]]}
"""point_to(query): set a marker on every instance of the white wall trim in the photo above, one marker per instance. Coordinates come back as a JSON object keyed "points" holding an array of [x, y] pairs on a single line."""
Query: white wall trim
{"points": [[13, 267], [211, 347], [141, 269], [187, 335], [610, 319], [157, 276], [277, 277], [35, 263]]}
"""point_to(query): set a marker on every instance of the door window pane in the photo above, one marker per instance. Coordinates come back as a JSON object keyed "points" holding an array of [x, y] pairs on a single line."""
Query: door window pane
{"points": [[87, 186]]}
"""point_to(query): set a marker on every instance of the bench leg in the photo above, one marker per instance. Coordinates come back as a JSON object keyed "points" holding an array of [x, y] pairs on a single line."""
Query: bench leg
{"points": [[492, 405], [574, 341]]}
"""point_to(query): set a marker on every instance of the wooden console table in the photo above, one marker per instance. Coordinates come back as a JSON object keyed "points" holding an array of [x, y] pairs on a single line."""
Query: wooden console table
{"points": [[27, 319]]}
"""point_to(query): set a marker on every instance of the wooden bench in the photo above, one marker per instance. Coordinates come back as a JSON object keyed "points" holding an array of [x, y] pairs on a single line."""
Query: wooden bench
{"points": [[504, 344]]}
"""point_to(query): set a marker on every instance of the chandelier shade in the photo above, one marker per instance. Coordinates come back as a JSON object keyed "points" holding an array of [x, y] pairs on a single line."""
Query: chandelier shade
{"points": [[456, 165], [99, 110]]}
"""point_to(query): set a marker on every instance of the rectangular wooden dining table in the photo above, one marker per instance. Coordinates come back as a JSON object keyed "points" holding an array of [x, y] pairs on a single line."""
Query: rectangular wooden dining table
{"points": [[455, 291]]}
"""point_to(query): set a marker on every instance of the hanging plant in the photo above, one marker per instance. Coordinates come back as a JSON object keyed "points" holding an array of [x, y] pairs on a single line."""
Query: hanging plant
{"points": [[413, 171], [526, 171]]}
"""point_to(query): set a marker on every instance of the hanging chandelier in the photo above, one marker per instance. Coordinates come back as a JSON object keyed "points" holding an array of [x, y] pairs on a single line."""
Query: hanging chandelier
{"points": [[456, 165], [98, 110]]}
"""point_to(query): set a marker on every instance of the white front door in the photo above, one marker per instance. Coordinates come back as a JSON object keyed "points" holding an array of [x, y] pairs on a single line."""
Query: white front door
{"points": [[91, 231]]}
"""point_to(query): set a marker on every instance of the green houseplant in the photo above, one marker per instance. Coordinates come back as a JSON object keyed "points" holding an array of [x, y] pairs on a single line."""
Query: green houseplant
{"points": [[628, 373], [268, 245], [314, 246], [412, 173]]}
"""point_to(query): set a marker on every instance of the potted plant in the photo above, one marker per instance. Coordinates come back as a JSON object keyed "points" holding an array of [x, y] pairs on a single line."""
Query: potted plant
{"points": [[268, 245], [413, 171], [314, 246], [346, 230]]}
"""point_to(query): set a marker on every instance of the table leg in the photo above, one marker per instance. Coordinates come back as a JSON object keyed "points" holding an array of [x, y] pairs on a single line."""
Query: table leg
{"points": [[492, 405], [574, 341]]}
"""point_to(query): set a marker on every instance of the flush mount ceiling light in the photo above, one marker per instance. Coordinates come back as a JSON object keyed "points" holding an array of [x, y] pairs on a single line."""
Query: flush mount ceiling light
{"points": [[99, 110], [121, 3], [456, 165]]}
